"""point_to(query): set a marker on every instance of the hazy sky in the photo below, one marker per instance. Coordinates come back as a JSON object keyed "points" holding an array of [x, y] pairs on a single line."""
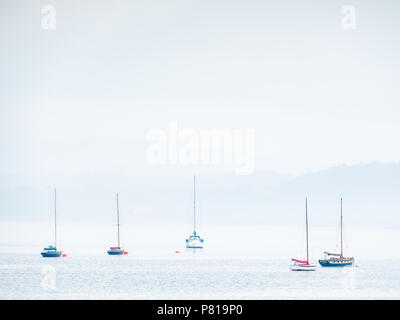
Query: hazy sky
{"points": [[81, 98]]}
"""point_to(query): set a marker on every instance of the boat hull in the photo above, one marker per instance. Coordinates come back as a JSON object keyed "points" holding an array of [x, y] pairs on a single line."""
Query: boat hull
{"points": [[116, 252], [55, 254], [337, 263], [309, 267], [194, 242], [111, 253]]}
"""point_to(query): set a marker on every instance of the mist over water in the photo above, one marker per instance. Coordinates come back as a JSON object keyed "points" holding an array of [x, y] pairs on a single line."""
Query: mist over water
{"points": [[252, 227], [221, 241]]}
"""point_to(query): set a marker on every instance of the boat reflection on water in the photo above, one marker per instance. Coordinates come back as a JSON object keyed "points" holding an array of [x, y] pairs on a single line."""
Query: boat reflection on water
{"points": [[194, 251]]}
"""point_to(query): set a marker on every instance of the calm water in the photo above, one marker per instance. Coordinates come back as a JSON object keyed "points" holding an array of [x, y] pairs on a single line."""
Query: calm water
{"points": [[189, 276]]}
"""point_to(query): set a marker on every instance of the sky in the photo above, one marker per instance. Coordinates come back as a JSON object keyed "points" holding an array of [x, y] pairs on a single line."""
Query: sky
{"points": [[81, 98], [79, 102]]}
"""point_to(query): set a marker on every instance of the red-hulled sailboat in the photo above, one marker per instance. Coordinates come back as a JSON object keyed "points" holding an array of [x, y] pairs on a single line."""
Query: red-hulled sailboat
{"points": [[116, 251], [303, 265]]}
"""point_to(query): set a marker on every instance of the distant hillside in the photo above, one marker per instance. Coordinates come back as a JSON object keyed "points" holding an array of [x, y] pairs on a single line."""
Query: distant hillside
{"points": [[370, 195]]}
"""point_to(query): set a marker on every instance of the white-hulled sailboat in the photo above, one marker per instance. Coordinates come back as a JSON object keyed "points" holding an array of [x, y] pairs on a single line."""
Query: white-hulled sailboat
{"points": [[51, 251], [116, 250], [194, 241], [303, 265]]}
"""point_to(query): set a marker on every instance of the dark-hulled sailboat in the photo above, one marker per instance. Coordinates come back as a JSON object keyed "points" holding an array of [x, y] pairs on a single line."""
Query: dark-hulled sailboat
{"points": [[51, 251], [337, 259], [303, 265], [194, 241], [116, 251]]}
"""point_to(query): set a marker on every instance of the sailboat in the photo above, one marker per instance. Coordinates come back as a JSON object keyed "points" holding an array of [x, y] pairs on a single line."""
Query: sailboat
{"points": [[337, 259], [51, 251], [194, 241], [303, 265], [116, 250]]}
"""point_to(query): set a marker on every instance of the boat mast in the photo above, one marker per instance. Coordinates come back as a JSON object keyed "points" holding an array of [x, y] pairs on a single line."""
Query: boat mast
{"points": [[118, 219], [307, 230], [55, 217], [341, 227], [194, 205]]}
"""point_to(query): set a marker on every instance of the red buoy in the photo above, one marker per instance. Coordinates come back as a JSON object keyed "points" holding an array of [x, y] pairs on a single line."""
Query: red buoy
{"points": [[64, 255], [177, 251], [125, 252]]}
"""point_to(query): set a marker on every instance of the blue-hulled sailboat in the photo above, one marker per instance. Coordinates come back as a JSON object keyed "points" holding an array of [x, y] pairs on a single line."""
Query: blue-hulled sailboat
{"points": [[337, 259], [116, 251], [194, 241], [51, 251]]}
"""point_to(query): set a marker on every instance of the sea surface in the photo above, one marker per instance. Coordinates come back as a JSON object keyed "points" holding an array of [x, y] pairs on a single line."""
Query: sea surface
{"points": [[189, 275]]}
